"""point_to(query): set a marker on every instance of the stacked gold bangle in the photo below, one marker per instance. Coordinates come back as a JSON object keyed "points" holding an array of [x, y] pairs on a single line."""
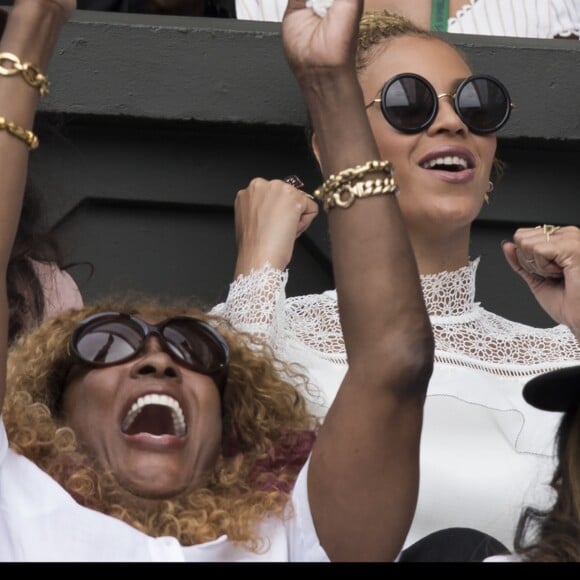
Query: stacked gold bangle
{"points": [[25, 135], [30, 72], [34, 77], [342, 189]]}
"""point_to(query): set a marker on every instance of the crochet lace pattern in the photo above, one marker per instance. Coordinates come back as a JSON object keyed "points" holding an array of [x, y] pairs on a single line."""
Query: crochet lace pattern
{"points": [[465, 333]]}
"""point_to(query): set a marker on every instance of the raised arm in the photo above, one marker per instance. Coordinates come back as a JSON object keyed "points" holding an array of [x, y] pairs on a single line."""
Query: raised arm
{"points": [[30, 34], [364, 471], [270, 216]]}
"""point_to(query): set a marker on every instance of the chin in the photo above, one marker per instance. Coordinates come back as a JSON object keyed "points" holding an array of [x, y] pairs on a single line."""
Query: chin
{"points": [[147, 491]]}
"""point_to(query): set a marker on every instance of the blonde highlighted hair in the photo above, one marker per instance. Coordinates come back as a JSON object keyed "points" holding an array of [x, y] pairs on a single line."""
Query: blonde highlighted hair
{"points": [[376, 28], [267, 434]]}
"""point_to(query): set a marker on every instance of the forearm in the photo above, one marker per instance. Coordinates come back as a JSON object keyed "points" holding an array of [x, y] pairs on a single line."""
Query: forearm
{"points": [[30, 35], [374, 268], [376, 417], [363, 475]]}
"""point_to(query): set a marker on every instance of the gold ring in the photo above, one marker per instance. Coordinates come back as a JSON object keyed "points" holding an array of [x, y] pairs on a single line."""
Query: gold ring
{"points": [[549, 229]]}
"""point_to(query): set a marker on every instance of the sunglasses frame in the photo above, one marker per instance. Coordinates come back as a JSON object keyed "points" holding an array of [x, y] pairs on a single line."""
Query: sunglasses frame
{"points": [[384, 108], [219, 374]]}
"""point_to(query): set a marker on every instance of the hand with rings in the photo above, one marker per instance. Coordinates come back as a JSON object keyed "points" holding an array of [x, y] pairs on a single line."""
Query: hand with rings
{"points": [[547, 257], [296, 182], [548, 230], [269, 216]]}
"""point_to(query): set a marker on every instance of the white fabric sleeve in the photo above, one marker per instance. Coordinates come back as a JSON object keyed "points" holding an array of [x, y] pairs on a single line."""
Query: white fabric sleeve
{"points": [[256, 303], [304, 545]]}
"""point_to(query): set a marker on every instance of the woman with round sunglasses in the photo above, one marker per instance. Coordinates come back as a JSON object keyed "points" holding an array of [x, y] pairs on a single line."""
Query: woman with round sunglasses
{"points": [[484, 451], [149, 432]]}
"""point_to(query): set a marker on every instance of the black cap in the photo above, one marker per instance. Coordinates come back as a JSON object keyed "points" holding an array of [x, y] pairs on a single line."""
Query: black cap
{"points": [[557, 390]]}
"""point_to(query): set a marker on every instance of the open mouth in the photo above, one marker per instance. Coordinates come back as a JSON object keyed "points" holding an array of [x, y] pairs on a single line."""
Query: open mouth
{"points": [[155, 414], [452, 163]]}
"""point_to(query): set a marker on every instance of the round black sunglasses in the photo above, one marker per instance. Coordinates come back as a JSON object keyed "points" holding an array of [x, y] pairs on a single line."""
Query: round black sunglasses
{"points": [[111, 338], [410, 104]]}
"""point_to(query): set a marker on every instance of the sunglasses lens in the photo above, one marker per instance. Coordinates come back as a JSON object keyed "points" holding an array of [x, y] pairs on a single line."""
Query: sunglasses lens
{"points": [[108, 341], [197, 345], [408, 103], [484, 104], [112, 338]]}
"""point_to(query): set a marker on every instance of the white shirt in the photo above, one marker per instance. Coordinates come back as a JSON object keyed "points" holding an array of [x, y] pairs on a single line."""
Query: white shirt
{"points": [[41, 522], [265, 10], [485, 453], [520, 18]]}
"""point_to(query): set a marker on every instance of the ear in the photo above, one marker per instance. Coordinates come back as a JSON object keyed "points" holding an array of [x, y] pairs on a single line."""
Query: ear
{"points": [[315, 149]]}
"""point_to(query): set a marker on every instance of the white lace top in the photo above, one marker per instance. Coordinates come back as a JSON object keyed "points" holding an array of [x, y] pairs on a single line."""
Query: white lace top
{"points": [[484, 451]]}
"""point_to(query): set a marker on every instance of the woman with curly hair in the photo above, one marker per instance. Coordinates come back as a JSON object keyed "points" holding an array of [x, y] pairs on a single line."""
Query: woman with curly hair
{"points": [[137, 431]]}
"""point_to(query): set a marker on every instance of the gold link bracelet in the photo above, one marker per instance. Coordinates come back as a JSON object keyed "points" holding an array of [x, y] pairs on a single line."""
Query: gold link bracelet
{"points": [[30, 72], [19, 132], [342, 189]]}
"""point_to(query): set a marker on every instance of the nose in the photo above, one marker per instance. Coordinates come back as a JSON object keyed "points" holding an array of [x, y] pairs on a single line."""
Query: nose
{"points": [[155, 360], [447, 118]]}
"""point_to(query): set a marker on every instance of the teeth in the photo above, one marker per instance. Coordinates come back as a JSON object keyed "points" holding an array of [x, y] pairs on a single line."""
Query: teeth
{"points": [[449, 160], [154, 399]]}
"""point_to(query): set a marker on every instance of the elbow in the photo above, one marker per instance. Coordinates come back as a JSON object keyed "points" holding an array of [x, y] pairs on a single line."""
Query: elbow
{"points": [[413, 362]]}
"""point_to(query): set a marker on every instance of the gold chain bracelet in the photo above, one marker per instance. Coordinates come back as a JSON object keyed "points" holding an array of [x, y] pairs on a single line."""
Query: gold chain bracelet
{"points": [[15, 130], [342, 189], [30, 72]]}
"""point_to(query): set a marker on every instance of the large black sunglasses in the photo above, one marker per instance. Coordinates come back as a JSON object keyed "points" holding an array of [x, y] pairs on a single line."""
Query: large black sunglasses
{"points": [[410, 104], [111, 338]]}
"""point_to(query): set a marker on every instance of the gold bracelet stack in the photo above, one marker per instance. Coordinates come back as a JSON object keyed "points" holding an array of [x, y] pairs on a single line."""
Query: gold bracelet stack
{"points": [[19, 132], [30, 72], [342, 189]]}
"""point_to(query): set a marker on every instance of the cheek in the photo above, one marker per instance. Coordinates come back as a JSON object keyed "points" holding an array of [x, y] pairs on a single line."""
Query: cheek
{"points": [[487, 148], [86, 403]]}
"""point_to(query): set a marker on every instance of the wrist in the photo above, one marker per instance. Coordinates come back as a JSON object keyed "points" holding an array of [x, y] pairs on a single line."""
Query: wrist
{"points": [[340, 122], [32, 30], [248, 263]]}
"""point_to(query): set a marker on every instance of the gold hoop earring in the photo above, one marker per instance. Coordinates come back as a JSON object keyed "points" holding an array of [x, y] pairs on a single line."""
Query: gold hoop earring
{"points": [[490, 187]]}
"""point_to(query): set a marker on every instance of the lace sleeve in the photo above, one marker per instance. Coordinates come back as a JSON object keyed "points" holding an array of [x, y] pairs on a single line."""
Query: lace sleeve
{"points": [[256, 303]]}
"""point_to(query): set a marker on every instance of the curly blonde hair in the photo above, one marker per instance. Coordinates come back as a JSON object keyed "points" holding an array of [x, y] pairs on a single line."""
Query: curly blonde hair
{"points": [[376, 28], [267, 433]]}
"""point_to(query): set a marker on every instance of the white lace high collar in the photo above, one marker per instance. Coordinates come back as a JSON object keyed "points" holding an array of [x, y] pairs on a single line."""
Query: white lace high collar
{"points": [[450, 293], [465, 333]]}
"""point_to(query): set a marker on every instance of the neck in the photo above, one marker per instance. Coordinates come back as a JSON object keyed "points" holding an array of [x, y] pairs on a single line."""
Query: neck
{"points": [[439, 255]]}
